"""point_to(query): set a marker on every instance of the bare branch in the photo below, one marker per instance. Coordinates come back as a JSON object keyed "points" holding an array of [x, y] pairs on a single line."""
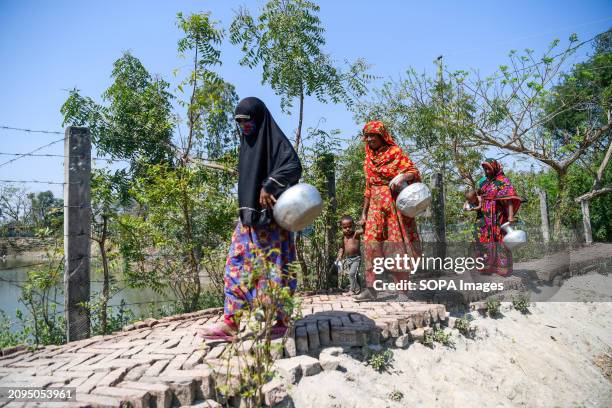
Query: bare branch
{"points": [[603, 166], [592, 194]]}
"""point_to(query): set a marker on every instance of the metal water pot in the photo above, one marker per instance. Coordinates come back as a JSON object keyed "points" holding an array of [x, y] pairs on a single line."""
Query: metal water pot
{"points": [[513, 238], [396, 179], [413, 199], [298, 207]]}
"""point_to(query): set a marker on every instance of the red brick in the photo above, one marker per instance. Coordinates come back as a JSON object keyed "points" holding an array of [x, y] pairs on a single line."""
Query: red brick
{"points": [[90, 384], [137, 398], [156, 368], [98, 401], [113, 377], [160, 392]]}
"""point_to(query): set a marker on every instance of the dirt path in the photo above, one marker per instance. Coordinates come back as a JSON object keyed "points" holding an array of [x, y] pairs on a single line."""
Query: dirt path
{"points": [[544, 359]]}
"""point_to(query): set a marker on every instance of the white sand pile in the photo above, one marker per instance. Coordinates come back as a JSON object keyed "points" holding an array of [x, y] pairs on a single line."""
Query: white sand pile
{"points": [[545, 359]]}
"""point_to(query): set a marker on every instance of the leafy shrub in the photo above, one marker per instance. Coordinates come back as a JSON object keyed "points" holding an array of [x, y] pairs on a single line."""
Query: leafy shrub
{"points": [[492, 307], [464, 327], [428, 340], [442, 337], [255, 350], [381, 361], [396, 395], [9, 338], [521, 303]]}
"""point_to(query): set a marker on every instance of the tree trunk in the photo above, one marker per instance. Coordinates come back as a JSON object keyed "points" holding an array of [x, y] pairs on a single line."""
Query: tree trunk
{"points": [[586, 222], [560, 204], [192, 292], [544, 216], [299, 250], [106, 283], [438, 214], [298, 133], [329, 169], [298, 240]]}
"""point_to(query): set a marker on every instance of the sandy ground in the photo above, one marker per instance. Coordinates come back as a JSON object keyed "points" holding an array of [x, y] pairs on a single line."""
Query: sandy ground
{"points": [[544, 359]]}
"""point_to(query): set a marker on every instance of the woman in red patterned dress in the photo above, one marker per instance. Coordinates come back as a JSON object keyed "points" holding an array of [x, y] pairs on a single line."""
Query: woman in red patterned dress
{"points": [[387, 231], [499, 205]]}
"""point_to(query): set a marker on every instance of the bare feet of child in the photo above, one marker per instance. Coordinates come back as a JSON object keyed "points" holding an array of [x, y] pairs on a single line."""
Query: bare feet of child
{"points": [[368, 295]]}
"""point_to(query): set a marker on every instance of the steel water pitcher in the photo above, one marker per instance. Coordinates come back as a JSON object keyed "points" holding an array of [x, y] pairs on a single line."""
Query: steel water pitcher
{"points": [[298, 207]]}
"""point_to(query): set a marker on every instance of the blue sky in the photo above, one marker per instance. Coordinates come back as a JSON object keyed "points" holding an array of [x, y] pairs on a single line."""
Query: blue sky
{"points": [[47, 48]]}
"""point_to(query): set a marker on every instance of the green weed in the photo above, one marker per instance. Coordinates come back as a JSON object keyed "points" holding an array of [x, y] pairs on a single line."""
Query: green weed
{"points": [[381, 361], [521, 303], [492, 307]]}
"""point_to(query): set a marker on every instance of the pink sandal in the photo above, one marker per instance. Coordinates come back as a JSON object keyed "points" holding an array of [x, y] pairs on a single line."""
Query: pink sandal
{"points": [[215, 333]]}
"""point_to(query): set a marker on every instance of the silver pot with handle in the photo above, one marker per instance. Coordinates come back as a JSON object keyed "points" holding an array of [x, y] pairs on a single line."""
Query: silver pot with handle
{"points": [[396, 180], [513, 238], [298, 207], [413, 199]]}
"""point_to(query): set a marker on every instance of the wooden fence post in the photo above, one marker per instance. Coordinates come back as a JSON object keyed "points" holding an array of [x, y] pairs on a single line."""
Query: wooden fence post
{"points": [[586, 222], [77, 229], [327, 166], [544, 215], [438, 219]]}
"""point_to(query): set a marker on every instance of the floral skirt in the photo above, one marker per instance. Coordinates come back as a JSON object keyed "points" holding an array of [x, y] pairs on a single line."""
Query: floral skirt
{"points": [[496, 258], [489, 237], [249, 246], [388, 233]]}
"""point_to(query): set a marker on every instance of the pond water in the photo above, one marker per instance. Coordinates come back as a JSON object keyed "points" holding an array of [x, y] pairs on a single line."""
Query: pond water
{"points": [[13, 273]]}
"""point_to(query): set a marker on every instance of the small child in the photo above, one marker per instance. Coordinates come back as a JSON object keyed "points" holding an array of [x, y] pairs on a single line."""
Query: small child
{"points": [[473, 202], [351, 251]]}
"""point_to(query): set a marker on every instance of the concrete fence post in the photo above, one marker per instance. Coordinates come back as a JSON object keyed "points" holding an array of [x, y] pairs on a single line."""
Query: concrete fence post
{"points": [[77, 229]]}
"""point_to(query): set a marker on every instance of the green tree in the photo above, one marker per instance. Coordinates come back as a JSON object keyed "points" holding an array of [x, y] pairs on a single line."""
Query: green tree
{"points": [[287, 39], [41, 294], [137, 124], [189, 213], [15, 211], [188, 205], [109, 198], [210, 100], [515, 114], [351, 179], [587, 86], [434, 117], [167, 211], [321, 240], [46, 209]]}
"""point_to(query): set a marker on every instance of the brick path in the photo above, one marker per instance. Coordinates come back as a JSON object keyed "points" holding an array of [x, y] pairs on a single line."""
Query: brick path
{"points": [[565, 264], [162, 362]]}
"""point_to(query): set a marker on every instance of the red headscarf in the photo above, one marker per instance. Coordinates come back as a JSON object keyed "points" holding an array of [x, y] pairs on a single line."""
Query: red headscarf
{"points": [[498, 186], [494, 166], [387, 162]]}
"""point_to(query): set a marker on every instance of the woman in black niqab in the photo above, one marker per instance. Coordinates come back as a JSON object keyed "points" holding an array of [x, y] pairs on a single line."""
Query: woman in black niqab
{"points": [[267, 166]]}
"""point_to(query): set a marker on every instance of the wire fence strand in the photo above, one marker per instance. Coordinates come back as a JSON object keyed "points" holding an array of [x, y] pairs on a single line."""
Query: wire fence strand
{"points": [[51, 132], [62, 156], [33, 151], [38, 182]]}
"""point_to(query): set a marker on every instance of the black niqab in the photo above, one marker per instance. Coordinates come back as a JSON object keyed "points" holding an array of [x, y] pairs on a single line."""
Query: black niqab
{"points": [[267, 159]]}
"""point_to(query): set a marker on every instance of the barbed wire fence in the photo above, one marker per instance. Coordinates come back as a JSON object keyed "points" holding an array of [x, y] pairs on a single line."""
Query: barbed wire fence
{"points": [[76, 209]]}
